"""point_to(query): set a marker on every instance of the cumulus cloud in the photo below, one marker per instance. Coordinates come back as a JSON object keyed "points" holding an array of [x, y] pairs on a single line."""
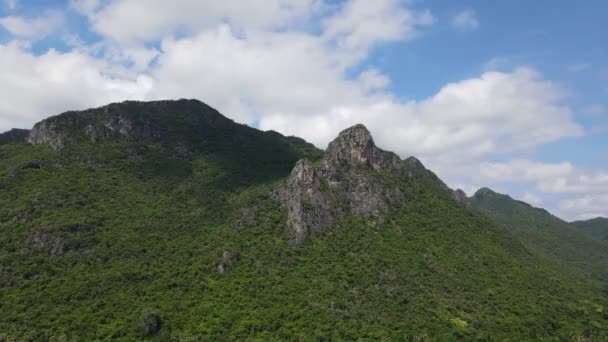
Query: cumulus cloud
{"points": [[85, 7], [362, 23], [466, 120], [33, 28], [577, 182], [586, 207], [465, 20], [123, 20], [38, 86], [524, 170], [531, 198]]}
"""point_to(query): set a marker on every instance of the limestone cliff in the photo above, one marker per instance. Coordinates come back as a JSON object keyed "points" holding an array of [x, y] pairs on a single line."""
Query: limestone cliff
{"points": [[352, 178]]}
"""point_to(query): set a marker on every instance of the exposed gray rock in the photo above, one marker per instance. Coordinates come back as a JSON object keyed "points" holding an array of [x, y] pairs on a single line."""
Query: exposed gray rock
{"points": [[132, 121], [230, 257], [354, 146], [346, 182], [309, 209], [57, 132], [461, 197], [46, 133], [229, 260], [56, 246]]}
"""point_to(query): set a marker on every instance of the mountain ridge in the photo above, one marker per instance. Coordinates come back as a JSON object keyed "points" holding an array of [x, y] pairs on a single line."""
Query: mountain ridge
{"points": [[129, 237], [595, 227]]}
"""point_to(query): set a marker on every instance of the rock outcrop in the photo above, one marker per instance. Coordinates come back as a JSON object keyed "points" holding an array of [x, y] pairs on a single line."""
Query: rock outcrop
{"points": [[353, 147], [106, 124], [350, 179], [461, 197], [55, 246], [148, 122], [229, 260]]}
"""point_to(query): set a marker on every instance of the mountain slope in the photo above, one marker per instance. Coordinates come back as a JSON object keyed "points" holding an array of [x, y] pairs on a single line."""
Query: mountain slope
{"points": [[182, 235], [597, 227], [545, 234], [14, 136]]}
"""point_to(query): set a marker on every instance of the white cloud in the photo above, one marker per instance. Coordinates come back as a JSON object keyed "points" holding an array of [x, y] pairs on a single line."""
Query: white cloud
{"points": [[586, 207], [362, 23], [34, 28], [523, 170], [466, 120], [577, 182], [12, 4], [85, 7], [38, 86], [531, 198], [134, 20], [372, 79], [465, 20], [556, 178]]}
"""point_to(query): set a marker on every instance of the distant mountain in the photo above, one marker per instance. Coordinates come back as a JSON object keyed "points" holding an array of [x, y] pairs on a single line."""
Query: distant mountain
{"points": [[597, 227], [15, 135], [545, 234], [166, 221]]}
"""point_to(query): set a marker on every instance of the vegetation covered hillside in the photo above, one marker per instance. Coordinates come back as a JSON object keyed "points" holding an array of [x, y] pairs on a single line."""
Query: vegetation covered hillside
{"points": [[547, 236], [597, 227], [161, 221]]}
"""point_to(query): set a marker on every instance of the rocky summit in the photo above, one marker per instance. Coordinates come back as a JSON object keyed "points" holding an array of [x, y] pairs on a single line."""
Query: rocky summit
{"points": [[348, 180], [166, 221], [158, 121]]}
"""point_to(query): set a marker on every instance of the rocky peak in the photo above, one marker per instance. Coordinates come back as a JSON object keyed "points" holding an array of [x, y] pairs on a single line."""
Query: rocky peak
{"points": [[461, 197], [355, 146], [347, 181], [484, 192]]}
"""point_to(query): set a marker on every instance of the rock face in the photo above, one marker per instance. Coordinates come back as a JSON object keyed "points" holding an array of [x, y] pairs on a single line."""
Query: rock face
{"points": [[355, 146], [348, 181], [152, 122], [461, 197], [229, 260], [55, 245], [107, 124]]}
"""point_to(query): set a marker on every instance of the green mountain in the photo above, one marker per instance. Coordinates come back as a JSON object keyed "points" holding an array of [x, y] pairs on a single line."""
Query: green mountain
{"points": [[546, 236], [597, 227], [14, 136], [166, 221]]}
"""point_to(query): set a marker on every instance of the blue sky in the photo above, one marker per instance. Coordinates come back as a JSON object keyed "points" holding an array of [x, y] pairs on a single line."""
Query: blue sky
{"points": [[506, 94]]}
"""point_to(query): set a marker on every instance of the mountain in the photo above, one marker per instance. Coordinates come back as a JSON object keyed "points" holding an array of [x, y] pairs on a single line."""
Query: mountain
{"points": [[597, 227], [13, 136], [167, 221], [545, 234]]}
